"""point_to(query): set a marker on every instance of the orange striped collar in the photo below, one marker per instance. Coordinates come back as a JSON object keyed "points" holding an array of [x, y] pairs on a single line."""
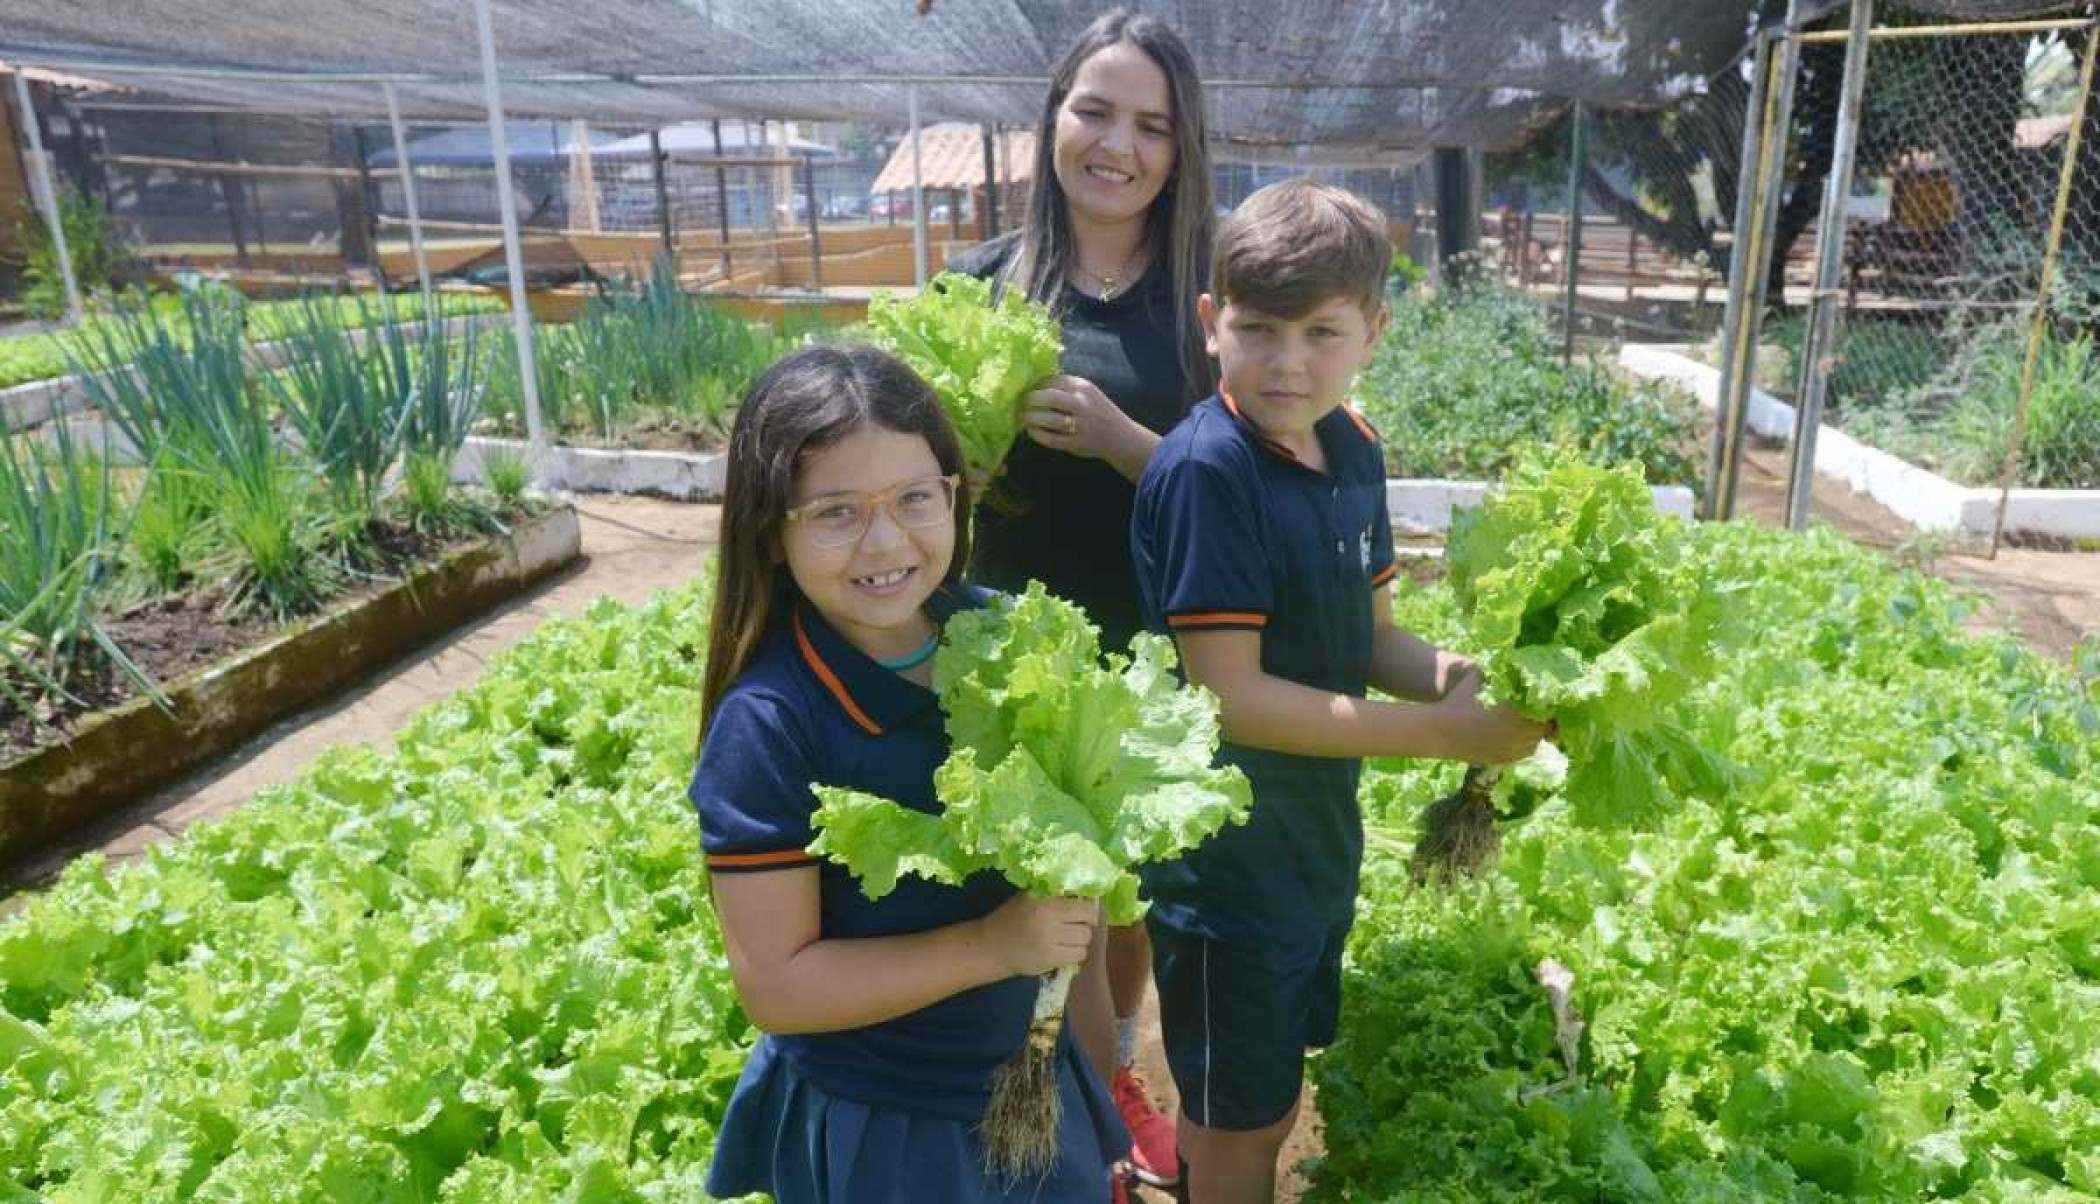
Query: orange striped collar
{"points": [[1329, 425], [875, 699]]}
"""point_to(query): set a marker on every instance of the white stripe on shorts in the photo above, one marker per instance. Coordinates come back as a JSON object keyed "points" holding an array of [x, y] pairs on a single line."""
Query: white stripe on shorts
{"points": [[1206, 1032]]}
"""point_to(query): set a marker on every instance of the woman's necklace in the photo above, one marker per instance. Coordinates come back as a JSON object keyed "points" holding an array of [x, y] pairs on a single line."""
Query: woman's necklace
{"points": [[1116, 283]]}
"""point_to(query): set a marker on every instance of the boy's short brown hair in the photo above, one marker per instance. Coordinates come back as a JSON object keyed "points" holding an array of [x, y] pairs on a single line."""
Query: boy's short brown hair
{"points": [[1296, 245]]}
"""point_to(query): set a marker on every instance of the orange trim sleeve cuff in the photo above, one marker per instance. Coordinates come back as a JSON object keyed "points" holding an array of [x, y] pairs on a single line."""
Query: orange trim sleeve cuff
{"points": [[1217, 620], [745, 863]]}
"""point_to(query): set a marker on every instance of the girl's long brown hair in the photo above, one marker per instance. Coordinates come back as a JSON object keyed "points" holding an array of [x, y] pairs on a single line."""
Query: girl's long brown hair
{"points": [[1183, 216], [805, 401]]}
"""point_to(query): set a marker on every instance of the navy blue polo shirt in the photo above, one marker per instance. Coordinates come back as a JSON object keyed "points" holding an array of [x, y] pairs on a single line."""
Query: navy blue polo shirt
{"points": [[811, 709], [1233, 532]]}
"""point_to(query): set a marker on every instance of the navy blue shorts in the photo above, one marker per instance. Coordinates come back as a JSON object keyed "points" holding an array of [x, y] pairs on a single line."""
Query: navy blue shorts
{"points": [[1238, 1017]]}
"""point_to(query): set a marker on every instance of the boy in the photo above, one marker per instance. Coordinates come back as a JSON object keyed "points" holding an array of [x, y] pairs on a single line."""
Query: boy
{"points": [[1262, 545]]}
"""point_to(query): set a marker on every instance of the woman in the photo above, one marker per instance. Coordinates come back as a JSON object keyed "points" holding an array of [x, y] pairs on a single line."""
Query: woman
{"points": [[1117, 243]]}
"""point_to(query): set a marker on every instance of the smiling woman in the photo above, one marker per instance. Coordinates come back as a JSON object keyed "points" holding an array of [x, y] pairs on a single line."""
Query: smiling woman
{"points": [[1117, 243]]}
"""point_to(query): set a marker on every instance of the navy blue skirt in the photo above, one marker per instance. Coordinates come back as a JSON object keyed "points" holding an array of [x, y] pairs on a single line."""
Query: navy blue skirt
{"points": [[787, 1137]]}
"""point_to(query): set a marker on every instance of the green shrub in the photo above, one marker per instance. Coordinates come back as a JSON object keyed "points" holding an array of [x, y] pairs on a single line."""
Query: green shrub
{"points": [[1466, 377]]}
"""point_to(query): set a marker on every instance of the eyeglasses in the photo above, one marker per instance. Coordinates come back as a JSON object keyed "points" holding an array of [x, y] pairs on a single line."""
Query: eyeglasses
{"points": [[838, 520]]}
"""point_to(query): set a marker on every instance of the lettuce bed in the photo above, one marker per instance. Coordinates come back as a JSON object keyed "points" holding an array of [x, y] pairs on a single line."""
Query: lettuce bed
{"points": [[481, 969], [1872, 972], [484, 968]]}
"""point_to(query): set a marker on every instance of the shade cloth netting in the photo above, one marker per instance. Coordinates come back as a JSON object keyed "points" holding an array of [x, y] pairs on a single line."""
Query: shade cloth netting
{"points": [[1359, 80]]}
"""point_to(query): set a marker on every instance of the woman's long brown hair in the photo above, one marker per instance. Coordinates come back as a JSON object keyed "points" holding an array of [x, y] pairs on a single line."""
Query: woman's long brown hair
{"points": [[1182, 219], [805, 401]]}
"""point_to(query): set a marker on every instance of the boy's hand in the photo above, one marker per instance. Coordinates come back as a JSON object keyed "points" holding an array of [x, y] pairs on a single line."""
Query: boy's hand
{"points": [[1479, 735], [1452, 670], [1035, 936]]}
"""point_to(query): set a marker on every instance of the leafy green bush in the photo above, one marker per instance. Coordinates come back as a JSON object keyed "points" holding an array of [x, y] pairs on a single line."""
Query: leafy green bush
{"points": [[1467, 376], [97, 255], [1960, 421]]}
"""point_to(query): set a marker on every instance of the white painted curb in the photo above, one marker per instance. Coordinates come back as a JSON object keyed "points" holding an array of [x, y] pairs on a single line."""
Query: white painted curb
{"points": [[678, 476], [1424, 507], [37, 402], [1923, 498]]}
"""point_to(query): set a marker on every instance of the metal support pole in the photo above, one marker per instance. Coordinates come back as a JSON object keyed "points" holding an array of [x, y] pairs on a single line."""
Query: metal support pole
{"points": [[918, 193], [809, 200], [722, 200], [987, 217], [513, 257], [231, 191], [1817, 350], [47, 196], [1739, 257], [2040, 325], [663, 196], [1775, 128], [1578, 160], [367, 197], [407, 172]]}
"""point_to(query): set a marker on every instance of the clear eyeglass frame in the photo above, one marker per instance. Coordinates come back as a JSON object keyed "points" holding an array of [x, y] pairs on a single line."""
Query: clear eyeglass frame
{"points": [[839, 520]]}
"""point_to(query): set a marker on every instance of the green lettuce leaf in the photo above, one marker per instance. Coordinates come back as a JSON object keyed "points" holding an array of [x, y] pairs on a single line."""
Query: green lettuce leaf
{"points": [[1585, 609], [980, 353], [1067, 769]]}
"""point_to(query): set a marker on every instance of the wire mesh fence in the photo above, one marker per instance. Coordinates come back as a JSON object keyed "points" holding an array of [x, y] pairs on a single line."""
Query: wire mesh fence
{"points": [[1948, 222], [1942, 303]]}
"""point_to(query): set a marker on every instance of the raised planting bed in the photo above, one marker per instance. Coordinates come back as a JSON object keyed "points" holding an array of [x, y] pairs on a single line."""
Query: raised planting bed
{"points": [[1417, 507], [262, 672], [1921, 497], [677, 476], [27, 405]]}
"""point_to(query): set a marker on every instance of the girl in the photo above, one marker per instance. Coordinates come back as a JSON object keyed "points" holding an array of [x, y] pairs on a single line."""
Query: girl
{"points": [[842, 546], [1117, 242]]}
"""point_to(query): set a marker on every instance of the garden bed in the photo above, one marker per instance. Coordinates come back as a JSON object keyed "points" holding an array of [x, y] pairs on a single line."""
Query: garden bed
{"points": [[38, 401], [226, 679], [1921, 497]]}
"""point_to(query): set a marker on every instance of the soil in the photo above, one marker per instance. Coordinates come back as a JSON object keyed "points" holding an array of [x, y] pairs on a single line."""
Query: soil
{"points": [[175, 635], [2047, 596]]}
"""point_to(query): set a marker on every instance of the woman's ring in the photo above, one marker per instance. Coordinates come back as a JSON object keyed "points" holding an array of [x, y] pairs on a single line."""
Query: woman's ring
{"points": [[1071, 425]]}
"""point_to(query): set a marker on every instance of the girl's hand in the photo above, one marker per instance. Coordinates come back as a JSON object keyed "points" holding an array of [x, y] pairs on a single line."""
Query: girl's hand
{"points": [[1069, 414], [1035, 936], [1478, 735], [1453, 670]]}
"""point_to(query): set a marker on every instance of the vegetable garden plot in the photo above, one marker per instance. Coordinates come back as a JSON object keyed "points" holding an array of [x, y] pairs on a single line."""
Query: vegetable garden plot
{"points": [[1465, 375], [484, 968], [1869, 972]]}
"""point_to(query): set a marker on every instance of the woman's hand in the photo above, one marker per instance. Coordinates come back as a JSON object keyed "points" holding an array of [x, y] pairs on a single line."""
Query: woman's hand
{"points": [[1035, 936], [1069, 414]]}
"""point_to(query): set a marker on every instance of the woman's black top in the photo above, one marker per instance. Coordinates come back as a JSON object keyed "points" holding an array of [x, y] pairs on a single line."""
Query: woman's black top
{"points": [[1064, 519]]}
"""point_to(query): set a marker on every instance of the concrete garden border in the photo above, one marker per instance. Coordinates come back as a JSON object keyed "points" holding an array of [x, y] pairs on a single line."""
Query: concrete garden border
{"points": [[1417, 507], [37, 402], [1921, 497], [117, 755]]}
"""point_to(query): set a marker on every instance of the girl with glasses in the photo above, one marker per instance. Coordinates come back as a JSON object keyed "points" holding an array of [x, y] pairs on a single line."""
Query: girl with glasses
{"points": [[842, 551]]}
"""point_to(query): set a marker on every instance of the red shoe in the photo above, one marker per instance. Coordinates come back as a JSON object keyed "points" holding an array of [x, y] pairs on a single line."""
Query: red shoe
{"points": [[1154, 1156]]}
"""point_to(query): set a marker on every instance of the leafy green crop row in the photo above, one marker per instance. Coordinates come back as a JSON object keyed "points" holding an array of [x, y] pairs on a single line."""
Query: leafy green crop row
{"points": [[481, 969], [1466, 375], [1871, 972]]}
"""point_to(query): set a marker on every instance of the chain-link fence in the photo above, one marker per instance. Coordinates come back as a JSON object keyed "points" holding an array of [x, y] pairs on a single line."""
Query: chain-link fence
{"points": [[1942, 304]]}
